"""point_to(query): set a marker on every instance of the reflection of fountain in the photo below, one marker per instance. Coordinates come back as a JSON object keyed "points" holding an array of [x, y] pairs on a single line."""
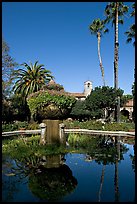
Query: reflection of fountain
{"points": [[52, 161], [52, 180]]}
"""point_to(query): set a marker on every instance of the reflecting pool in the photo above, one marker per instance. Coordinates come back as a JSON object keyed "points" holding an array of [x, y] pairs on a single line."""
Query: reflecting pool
{"points": [[72, 177]]}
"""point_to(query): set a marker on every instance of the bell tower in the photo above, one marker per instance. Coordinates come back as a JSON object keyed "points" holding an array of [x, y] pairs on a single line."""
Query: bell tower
{"points": [[87, 87]]}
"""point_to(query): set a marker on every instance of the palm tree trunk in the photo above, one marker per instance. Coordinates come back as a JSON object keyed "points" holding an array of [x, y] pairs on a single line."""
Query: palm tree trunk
{"points": [[99, 56], [117, 107]]}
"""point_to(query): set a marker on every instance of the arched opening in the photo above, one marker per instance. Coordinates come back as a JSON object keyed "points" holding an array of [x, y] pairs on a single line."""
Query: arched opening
{"points": [[124, 114], [88, 85]]}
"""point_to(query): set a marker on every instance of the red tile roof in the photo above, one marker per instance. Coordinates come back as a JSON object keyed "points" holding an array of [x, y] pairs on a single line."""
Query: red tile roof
{"points": [[129, 103], [78, 95]]}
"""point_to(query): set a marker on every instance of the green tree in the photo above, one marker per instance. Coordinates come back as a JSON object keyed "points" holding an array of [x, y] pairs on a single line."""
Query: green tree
{"points": [[102, 99], [131, 32], [114, 12], [50, 104], [8, 65], [31, 79], [79, 111], [97, 28], [20, 109], [133, 93]]}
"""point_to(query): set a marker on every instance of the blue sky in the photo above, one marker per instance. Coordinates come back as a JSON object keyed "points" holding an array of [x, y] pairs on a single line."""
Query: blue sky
{"points": [[57, 35]]}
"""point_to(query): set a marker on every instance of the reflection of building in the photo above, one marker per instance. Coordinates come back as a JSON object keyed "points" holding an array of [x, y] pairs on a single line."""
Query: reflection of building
{"points": [[127, 109]]}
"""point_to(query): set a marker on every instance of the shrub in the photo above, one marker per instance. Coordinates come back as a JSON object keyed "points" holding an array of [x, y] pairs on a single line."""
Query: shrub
{"points": [[97, 125], [14, 126], [43, 103]]}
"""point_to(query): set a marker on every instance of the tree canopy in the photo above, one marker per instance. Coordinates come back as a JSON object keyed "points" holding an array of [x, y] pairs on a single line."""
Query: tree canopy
{"points": [[31, 78], [102, 98], [8, 65]]}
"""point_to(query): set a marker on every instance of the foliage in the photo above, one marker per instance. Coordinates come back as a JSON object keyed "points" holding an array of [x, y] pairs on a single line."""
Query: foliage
{"points": [[14, 126], [31, 79], [97, 125], [110, 12], [102, 98], [6, 111], [133, 92], [53, 86], [41, 99], [33, 126], [91, 124], [19, 108], [131, 32], [79, 111], [8, 65], [82, 141], [15, 108], [23, 148]]}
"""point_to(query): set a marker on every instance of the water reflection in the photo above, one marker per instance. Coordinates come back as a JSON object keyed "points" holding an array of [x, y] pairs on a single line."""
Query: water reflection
{"points": [[132, 157], [109, 150], [57, 178], [50, 179]]}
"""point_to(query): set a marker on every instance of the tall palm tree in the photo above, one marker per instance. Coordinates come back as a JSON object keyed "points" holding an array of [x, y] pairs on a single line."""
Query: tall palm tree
{"points": [[31, 79], [97, 28], [114, 11], [130, 36], [131, 32]]}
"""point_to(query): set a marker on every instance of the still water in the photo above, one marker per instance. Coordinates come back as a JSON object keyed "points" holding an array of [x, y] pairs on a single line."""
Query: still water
{"points": [[72, 177]]}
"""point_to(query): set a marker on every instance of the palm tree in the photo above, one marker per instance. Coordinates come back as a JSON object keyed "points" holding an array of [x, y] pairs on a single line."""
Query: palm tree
{"points": [[131, 32], [31, 79], [97, 28], [113, 11], [133, 12]]}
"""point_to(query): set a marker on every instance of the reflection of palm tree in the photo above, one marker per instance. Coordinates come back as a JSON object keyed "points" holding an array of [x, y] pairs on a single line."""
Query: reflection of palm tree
{"points": [[117, 143], [116, 181], [132, 157], [101, 182]]}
